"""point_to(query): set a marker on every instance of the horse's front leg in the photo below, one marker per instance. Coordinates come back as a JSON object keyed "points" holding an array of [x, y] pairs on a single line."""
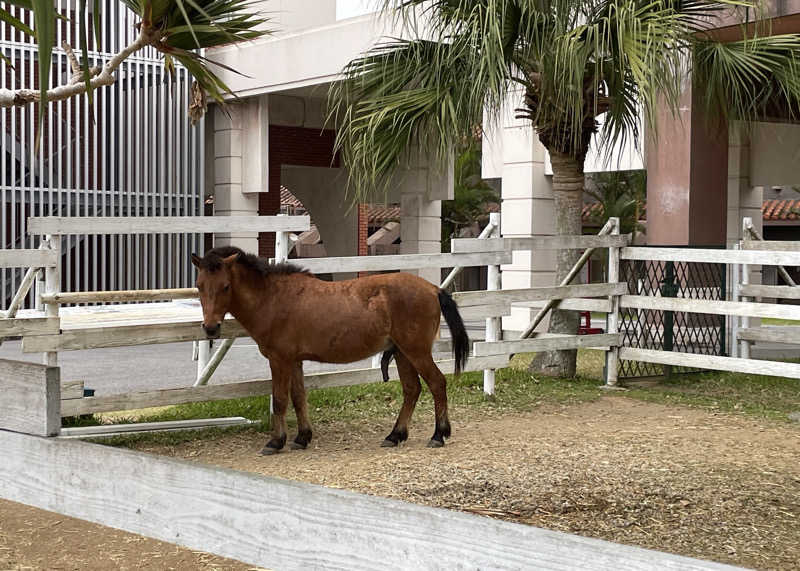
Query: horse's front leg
{"points": [[281, 381], [300, 408]]}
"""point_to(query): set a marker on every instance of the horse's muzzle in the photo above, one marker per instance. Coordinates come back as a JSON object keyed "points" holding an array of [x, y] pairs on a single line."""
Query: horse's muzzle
{"points": [[212, 331]]}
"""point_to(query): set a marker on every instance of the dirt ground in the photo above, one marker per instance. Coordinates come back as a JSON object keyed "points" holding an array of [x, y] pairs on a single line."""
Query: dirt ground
{"points": [[713, 486], [33, 539]]}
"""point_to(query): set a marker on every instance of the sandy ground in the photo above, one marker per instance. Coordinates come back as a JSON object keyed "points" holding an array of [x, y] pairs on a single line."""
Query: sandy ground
{"points": [[714, 486]]}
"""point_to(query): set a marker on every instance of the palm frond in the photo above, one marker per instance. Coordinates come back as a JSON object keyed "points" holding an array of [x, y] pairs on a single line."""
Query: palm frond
{"points": [[422, 95], [747, 79]]}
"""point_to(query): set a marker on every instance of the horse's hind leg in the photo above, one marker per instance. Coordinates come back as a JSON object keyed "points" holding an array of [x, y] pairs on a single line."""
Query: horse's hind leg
{"points": [[301, 409], [411, 389], [437, 383]]}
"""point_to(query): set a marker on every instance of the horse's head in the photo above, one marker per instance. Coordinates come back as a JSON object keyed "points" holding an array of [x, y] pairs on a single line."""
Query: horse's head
{"points": [[214, 276]]}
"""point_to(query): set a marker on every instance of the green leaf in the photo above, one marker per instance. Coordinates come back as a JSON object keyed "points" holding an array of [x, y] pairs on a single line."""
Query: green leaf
{"points": [[188, 21], [7, 17], [96, 18], [44, 17], [85, 53]]}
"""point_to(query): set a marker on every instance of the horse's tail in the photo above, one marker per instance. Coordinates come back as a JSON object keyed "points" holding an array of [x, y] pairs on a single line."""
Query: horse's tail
{"points": [[457, 330]]}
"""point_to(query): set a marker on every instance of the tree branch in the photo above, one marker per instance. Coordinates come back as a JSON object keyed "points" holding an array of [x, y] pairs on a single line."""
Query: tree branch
{"points": [[76, 85]]}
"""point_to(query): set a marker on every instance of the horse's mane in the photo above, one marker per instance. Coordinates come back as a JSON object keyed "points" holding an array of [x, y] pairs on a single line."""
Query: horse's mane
{"points": [[212, 262]]}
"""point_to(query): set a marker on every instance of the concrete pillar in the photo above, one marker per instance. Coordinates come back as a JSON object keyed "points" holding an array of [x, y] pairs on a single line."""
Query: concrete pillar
{"points": [[422, 187], [240, 165], [743, 199], [421, 229], [687, 176], [527, 210]]}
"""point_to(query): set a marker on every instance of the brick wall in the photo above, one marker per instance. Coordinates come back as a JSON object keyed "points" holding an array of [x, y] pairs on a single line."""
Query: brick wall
{"points": [[291, 146], [363, 229]]}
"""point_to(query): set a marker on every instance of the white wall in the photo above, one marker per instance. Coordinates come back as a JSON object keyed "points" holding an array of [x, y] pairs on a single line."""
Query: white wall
{"points": [[301, 59], [774, 154], [351, 8], [623, 157], [286, 16]]}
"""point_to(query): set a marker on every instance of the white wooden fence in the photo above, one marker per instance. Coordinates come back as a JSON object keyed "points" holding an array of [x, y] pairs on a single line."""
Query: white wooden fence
{"points": [[54, 329], [745, 303]]}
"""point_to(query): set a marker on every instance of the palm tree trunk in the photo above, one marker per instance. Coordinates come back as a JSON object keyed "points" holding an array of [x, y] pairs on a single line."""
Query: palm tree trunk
{"points": [[568, 181]]}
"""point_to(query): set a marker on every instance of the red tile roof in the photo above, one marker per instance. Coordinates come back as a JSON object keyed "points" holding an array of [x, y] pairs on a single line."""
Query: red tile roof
{"points": [[378, 213], [779, 210]]}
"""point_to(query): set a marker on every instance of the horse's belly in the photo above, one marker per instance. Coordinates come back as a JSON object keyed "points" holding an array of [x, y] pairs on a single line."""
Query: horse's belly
{"points": [[345, 347]]}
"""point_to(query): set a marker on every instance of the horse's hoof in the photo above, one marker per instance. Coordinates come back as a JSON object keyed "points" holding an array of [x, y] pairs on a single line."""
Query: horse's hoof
{"points": [[269, 451], [388, 444], [433, 443], [298, 446]]}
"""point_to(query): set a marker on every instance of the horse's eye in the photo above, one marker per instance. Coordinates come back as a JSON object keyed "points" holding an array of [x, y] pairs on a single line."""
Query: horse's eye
{"points": [[226, 288]]}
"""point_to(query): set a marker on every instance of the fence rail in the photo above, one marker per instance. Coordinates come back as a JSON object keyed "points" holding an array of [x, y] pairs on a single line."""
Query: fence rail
{"points": [[95, 225]]}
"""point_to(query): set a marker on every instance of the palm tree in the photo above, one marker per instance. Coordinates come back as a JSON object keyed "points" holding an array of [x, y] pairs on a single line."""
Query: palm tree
{"points": [[471, 194], [572, 61], [176, 28], [623, 195]]}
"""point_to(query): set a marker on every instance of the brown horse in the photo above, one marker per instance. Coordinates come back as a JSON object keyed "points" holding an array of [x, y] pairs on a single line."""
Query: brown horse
{"points": [[293, 317]]}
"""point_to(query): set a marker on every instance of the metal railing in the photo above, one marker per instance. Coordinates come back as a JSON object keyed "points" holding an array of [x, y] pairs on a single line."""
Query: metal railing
{"points": [[131, 152]]}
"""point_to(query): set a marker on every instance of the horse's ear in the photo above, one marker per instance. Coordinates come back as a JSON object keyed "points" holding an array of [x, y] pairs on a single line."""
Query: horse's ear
{"points": [[196, 260], [230, 259]]}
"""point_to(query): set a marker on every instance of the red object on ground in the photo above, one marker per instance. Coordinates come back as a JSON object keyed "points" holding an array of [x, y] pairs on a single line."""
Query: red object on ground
{"points": [[586, 328]]}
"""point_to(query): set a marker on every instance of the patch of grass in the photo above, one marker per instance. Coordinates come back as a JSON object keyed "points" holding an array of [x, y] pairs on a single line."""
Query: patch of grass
{"points": [[777, 321], [516, 391], [756, 395]]}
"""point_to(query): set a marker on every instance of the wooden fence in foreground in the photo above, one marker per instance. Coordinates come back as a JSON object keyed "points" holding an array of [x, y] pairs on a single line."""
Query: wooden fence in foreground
{"points": [[280, 524]]}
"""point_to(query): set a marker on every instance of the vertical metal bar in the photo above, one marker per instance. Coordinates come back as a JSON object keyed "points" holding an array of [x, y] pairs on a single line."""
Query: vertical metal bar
{"points": [[70, 181], [129, 166], [493, 325], [162, 182], [612, 320], [184, 258], [201, 169], [169, 105], [7, 140], [100, 113], [138, 94], [87, 196], [13, 144], [152, 187], [115, 174]]}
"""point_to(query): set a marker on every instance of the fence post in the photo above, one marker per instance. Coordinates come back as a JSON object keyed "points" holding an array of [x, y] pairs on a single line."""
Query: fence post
{"points": [[733, 343], [612, 321], [745, 323], [493, 324], [203, 352], [52, 285]]}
